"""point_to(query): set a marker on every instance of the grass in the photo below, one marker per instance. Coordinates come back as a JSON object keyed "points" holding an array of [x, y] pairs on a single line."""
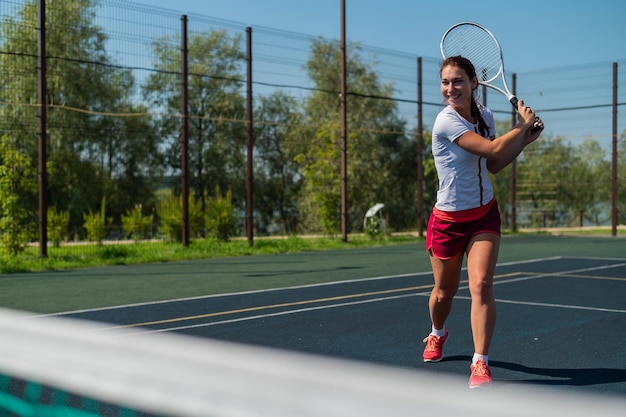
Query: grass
{"points": [[84, 256], [73, 256]]}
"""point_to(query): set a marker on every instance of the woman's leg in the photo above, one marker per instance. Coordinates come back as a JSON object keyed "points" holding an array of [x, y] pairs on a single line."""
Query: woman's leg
{"points": [[447, 274], [482, 256]]}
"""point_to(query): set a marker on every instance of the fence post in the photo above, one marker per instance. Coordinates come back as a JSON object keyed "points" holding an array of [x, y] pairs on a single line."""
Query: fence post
{"points": [[184, 59], [250, 142], [344, 129], [614, 157], [43, 116], [420, 152], [514, 166]]}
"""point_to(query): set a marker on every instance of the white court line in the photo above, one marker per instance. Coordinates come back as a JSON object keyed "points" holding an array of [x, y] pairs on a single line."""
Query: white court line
{"points": [[295, 287], [427, 293], [564, 306], [201, 297]]}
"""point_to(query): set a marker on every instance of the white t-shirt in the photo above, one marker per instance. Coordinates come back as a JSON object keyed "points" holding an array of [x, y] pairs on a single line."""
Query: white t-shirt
{"points": [[463, 177]]}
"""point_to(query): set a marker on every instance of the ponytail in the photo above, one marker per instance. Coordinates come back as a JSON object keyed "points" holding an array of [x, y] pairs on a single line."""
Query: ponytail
{"points": [[482, 126]]}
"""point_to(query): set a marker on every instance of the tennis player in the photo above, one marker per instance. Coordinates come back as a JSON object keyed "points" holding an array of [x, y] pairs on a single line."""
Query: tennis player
{"points": [[466, 219]]}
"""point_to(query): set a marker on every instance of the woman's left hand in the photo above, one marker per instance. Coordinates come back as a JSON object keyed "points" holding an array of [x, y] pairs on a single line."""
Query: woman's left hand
{"points": [[535, 130]]}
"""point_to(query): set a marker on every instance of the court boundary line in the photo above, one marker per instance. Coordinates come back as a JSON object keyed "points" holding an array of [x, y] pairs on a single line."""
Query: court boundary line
{"points": [[525, 277], [324, 284]]}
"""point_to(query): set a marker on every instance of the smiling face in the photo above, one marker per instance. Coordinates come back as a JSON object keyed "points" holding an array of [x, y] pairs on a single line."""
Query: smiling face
{"points": [[457, 88]]}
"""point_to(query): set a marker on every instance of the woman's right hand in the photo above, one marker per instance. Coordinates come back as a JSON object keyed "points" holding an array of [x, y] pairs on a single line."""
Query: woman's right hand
{"points": [[526, 115]]}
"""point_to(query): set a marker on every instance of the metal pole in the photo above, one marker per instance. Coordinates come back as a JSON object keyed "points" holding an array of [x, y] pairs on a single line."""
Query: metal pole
{"points": [[614, 157], [42, 143], [250, 142], [344, 133], [420, 152], [514, 167], [484, 94], [184, 59]]}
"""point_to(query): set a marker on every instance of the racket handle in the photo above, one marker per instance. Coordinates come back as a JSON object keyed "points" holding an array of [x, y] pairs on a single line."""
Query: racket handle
{"points": [[514, 101]]}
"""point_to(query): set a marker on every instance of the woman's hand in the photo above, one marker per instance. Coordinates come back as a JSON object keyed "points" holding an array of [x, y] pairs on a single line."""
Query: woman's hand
{"points": [[532, 124], [526, 115], [535, 130]]}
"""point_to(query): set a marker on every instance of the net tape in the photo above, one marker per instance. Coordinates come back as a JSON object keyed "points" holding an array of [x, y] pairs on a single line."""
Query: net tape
{"points": [[175, 375]]}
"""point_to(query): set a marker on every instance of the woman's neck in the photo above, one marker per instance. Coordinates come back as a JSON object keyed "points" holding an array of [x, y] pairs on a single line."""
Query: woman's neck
{"points": [[465, 113]]}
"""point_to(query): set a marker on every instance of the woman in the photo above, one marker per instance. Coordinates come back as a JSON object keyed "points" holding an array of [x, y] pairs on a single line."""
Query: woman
{"points": [[465, 218]]}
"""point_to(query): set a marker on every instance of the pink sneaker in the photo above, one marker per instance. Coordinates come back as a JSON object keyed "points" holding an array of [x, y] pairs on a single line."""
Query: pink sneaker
{"points": [[480, 375], [433, 352]]}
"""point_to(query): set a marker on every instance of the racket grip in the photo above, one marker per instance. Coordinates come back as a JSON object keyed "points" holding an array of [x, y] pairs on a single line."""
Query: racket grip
{"points": [[514, 101]]}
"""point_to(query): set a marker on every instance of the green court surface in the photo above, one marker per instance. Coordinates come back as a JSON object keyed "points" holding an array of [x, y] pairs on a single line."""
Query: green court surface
{"points": [[59, 291]]}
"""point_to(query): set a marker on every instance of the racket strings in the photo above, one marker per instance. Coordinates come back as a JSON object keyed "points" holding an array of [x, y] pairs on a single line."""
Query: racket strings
{"points": [[477, 45]]}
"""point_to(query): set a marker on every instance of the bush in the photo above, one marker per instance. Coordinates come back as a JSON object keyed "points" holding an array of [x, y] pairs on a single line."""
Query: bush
{"points": [[58, 225], [135, 224], [16, 186], [97, 225], [220, 220], [171, 218]]}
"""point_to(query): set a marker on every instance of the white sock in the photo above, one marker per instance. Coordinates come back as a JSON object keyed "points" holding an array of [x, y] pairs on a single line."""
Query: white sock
{"points": [[478, 357], [438, 332]]}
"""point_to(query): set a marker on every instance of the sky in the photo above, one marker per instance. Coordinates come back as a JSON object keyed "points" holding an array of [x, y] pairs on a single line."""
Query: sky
{"points": [[534, 34]]}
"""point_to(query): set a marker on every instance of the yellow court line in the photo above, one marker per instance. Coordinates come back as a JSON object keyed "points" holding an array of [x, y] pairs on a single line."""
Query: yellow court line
{"points": [[290, 304], [272, 306]]}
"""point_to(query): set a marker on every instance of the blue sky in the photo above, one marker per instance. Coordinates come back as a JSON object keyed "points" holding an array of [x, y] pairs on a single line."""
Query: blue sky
{"points": [[534, 34]]}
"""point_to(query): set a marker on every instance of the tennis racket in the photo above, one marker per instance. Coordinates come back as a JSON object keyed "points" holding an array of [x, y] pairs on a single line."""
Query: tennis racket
{"points": [[476, 43]]}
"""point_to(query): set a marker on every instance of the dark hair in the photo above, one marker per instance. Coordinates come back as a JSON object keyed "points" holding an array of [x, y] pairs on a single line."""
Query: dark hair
{"points": [[468, 67]]}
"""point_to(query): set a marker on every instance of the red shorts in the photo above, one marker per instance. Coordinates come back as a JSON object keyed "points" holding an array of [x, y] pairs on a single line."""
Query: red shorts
{"points": [[446, 239]]}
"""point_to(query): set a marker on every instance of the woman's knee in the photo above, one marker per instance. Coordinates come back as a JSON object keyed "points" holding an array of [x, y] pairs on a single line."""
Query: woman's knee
{"points": [[445, 294], [481, 287]]}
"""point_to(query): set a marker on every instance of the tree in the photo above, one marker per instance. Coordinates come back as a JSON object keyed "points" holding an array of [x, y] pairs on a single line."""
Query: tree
{"points": [[588, 188], [216, 110], [90, 153], [562, 184], [17, 182], [377, 143], [621, 179], [278, 180], [540, 176]]}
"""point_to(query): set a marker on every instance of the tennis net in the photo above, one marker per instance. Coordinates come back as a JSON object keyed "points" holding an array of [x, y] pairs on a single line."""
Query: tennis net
{"points": [[52, 366]]}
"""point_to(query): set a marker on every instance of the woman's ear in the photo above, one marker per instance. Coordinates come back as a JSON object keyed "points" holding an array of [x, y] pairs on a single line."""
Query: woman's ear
{"points": [[474, 83]]}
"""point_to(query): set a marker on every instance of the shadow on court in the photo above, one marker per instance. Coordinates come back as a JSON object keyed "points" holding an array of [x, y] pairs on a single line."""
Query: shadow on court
{"points": [[552, 376]]}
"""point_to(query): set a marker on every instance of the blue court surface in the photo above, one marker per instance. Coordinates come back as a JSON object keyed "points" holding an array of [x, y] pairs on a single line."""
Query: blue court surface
{"points": [[561, 322]]}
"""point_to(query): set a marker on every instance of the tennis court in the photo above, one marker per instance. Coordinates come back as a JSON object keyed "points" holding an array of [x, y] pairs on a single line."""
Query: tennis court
{"points": [[560, 318], [317, 334]]}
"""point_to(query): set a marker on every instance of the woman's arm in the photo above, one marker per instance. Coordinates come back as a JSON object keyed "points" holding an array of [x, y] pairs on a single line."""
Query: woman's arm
{"points": [[503, 150]]}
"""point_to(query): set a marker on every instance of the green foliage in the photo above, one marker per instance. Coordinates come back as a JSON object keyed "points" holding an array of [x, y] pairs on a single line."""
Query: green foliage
{"points": [[278, 182], [89, 155], [170, 216], [135, 224], [58, 224], [215, 99], [17, 183], [373, 227], [97, 224], [220, 219], [321, 203], [381, 156]]}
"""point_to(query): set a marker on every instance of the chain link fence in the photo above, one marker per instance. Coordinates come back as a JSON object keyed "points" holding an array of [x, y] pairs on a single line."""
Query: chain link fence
{"points": [[114, 132]]}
